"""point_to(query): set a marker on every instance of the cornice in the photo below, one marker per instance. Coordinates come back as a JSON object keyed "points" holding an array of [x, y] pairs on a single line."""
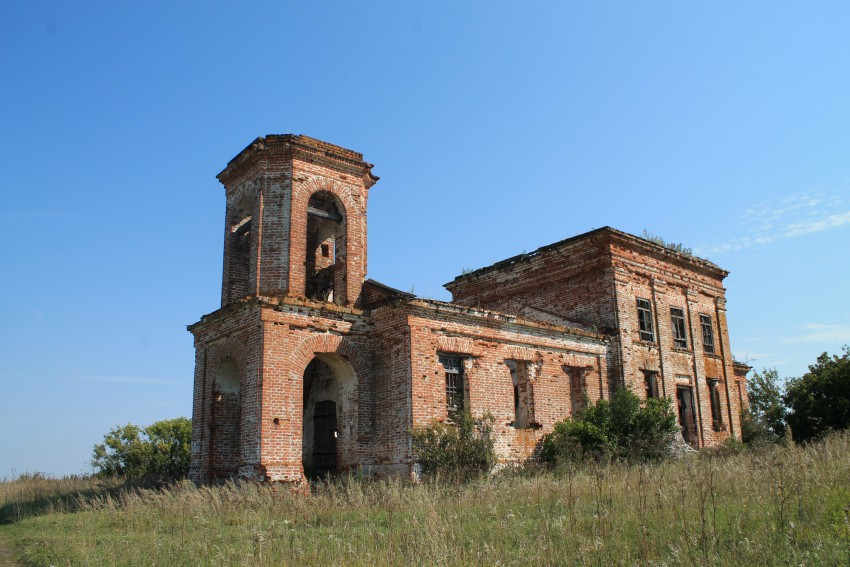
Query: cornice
{"points": [[289, 147], [610, 234]]}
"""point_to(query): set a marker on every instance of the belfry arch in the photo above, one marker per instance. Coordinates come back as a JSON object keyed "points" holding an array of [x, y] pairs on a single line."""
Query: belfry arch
{"points": [[240, 262], [325, 262]]}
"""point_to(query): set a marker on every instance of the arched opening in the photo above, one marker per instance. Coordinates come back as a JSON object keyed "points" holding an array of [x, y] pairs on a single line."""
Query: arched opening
{"points": [[225, 420], [240, 261], [328, 415], [325, 262]]}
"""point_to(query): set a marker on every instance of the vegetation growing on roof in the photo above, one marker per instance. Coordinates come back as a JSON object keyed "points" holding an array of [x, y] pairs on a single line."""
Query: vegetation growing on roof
{"points": [[674, 246]]}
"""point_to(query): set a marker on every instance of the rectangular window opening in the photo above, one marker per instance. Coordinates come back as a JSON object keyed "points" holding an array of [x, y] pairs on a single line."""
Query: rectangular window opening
{"points": [[707, 334], [523, 394], [714, 398], [687, 415], [647, 332], [650, 379], [677, 318], [453, 366]]}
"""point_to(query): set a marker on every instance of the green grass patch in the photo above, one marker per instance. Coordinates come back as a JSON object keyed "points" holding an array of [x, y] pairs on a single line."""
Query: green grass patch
{"points": [[784, 505]]}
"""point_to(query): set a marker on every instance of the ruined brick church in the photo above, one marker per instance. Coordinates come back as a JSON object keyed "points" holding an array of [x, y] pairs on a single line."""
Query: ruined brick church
{"points": [[310, 368]]}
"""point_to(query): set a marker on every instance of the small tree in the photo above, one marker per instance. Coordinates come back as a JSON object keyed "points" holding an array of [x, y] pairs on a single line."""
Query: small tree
{"points": [[764, 420], [622, 428], [170, 441], [157, 452], [819, 402], [461, 450]]}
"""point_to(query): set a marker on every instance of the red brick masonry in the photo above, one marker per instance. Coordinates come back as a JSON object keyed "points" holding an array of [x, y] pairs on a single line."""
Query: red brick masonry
{"points": [[530, 339]]}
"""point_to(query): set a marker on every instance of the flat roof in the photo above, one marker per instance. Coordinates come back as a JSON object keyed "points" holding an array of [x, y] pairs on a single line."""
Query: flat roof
{"points": [[635, 241]]}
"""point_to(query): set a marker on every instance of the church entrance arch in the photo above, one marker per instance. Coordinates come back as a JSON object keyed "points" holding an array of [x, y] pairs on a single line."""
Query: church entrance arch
{"points": [[328, 415]]}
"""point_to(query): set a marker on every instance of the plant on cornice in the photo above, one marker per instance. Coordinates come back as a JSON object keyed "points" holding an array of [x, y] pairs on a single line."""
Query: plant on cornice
{"points": [[674, 246]]}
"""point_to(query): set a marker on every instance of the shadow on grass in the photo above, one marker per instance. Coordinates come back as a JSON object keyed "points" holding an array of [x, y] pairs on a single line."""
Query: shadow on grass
{"points": [[35, 495]]}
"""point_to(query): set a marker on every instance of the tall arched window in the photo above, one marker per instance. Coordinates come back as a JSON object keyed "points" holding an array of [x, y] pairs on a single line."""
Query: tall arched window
{"points": [[240, 260], [325, 262]]}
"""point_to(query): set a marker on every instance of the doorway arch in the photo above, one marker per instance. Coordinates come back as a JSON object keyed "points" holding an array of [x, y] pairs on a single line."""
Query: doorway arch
{"points": [[329, 408]]}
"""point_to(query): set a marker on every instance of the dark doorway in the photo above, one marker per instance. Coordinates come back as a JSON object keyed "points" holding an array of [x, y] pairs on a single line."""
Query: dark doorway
{"points": [[324, 439], [687, 415], [327, 436]]}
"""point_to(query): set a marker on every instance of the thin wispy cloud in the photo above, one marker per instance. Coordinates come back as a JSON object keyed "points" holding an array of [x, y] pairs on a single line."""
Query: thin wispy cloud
{"points": [[808, 333], [820, 333], [788, 217], [748, 357]]}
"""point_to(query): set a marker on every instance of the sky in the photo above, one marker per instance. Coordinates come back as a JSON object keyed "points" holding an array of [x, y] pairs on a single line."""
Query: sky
{"points": [[496, 128]]}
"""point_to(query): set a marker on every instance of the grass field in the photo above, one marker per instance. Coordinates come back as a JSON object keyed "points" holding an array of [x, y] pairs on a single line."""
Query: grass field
{"points": [[780, 506]]}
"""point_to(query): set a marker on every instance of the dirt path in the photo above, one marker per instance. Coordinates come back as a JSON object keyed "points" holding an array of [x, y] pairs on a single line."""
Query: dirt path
{"points": [[7, 558]]}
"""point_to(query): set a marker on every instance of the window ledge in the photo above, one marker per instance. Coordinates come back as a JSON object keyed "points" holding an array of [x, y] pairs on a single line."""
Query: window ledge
{"points": [[531, 425]]}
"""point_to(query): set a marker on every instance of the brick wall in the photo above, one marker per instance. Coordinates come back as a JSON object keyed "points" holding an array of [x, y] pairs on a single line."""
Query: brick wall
{"points": [[229, 335], [566, 283], [294, 334], [669, 281], [486, 341]]}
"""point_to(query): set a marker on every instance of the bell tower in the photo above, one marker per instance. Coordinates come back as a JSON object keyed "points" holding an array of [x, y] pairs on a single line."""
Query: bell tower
{"points": [[295, 221]]}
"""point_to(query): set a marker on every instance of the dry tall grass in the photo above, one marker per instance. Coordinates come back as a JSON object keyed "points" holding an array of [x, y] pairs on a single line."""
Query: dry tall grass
{"points": [[787, 505]]}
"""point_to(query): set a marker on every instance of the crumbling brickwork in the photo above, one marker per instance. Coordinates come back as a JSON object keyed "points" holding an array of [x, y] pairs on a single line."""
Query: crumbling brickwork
{"points": [[597, 280], [308, 368]]}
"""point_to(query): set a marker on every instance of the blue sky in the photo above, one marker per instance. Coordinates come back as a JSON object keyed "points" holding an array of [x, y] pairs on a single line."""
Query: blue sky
{"points": [[496, 127]]}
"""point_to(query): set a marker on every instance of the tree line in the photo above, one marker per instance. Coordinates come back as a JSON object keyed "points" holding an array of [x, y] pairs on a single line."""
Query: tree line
{"points": [[807, 407]]}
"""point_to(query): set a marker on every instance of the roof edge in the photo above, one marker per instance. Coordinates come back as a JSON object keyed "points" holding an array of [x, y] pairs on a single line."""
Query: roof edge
{"points": [[277, 143], [623, 236]]}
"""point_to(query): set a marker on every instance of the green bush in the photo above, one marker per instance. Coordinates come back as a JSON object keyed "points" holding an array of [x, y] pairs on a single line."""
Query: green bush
{"points": [[754, 432], [459, 450], [574, 440], [621, 428], [158, 452]]}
